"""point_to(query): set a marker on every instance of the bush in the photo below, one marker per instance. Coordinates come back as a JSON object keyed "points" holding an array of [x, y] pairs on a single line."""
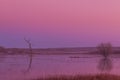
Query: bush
{"points": [[105, 49]]}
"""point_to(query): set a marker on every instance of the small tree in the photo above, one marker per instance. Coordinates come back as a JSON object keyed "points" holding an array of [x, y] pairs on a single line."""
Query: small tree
{"points": [[105, 49], [105, 64]]}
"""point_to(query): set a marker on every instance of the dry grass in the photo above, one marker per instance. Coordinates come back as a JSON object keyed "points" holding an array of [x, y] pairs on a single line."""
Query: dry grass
{"points": [[85, 77]]}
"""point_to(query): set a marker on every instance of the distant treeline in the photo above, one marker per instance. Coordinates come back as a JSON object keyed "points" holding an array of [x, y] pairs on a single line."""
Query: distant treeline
{"points": [[76, 50]]}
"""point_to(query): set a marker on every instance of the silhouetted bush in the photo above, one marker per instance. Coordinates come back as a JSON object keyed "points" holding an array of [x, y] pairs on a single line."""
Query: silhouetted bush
{"points": [[105, 49]]}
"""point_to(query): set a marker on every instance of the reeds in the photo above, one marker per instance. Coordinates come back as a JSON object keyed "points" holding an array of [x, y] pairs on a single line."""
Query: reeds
{"points": [[85, 77]]}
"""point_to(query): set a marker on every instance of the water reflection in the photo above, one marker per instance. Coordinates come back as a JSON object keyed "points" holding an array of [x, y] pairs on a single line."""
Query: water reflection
{"points": [[105, 65]]}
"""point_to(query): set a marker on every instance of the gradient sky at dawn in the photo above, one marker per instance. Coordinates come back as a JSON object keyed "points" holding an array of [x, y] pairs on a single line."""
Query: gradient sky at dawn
{"points": [[59, 23]]}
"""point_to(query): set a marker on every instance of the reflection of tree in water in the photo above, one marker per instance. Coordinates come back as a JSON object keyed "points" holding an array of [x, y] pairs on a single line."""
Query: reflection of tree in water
{"points": [[105, 63]]}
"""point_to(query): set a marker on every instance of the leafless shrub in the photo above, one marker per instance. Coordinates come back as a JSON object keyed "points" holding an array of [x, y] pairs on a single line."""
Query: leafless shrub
{"points": [[105, 49]]}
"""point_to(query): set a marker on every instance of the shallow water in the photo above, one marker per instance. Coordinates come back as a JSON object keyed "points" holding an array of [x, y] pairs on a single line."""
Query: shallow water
{"points": [[13, 67]]}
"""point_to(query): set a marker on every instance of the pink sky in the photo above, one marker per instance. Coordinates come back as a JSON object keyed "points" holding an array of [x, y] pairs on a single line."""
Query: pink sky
{"points": [[59, 23]]}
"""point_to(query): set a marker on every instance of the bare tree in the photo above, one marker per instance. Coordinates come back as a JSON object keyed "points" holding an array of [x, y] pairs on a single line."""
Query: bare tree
{"points": [[30, 52]]}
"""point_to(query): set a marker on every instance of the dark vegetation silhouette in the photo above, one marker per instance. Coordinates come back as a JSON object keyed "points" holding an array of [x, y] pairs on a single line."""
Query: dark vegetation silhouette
{"points": [[15, 50], [30, 53], [2, 50], [2, 53], [105, 50], [83, 77]]}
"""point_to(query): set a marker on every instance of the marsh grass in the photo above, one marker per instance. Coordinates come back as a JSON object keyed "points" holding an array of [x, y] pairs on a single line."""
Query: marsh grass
{"points": [[83, 77]]}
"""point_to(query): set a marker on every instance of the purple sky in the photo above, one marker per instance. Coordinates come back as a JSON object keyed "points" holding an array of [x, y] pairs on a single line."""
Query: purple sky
{"points": [[59, 23]]}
